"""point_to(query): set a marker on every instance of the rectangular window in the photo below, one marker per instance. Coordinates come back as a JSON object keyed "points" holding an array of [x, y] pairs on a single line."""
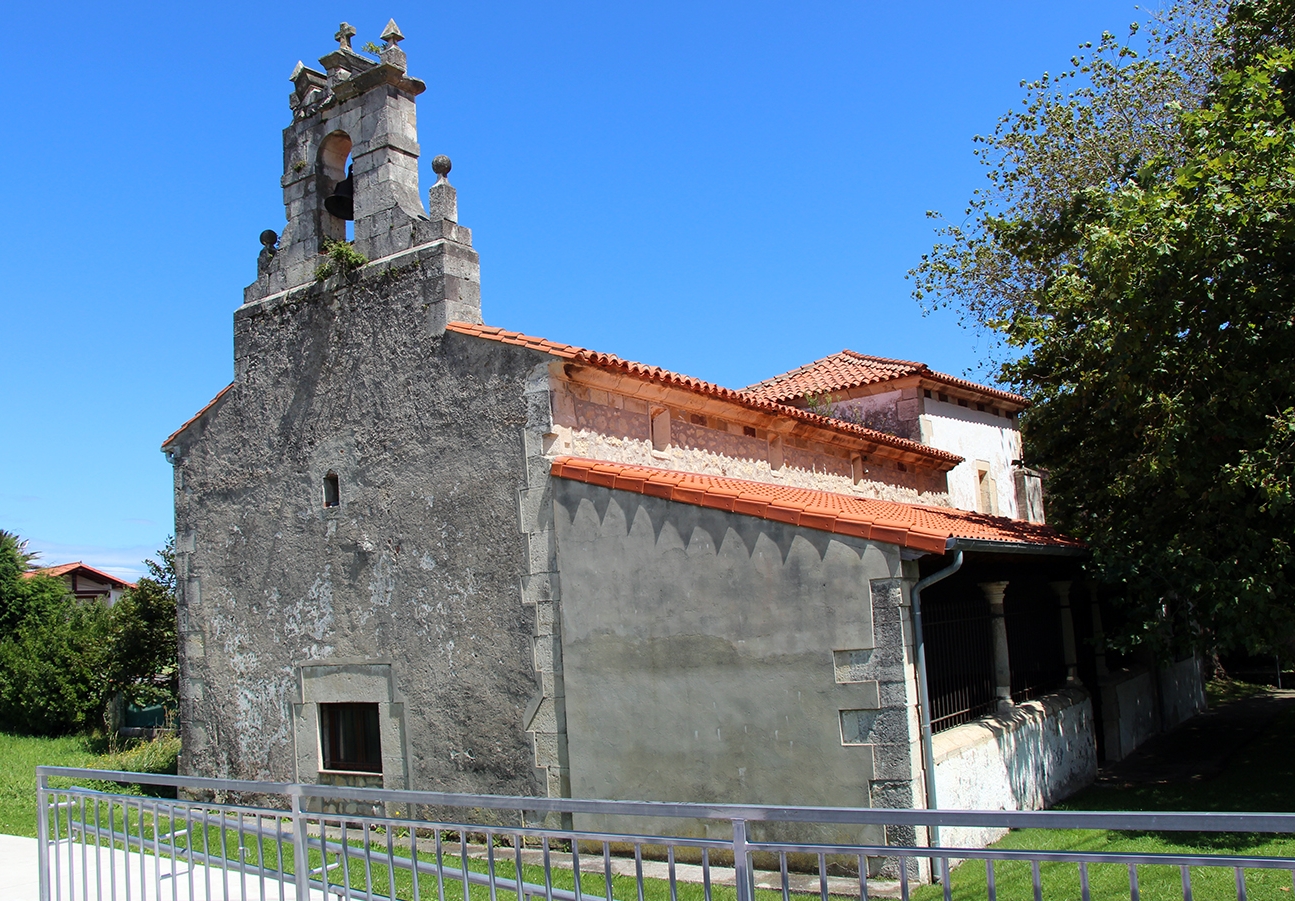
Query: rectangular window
{"points": [[332, 490], [348, 735]]}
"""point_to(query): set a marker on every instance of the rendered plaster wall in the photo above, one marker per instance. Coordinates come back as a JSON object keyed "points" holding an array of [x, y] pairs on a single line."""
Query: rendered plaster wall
{"points": [[974, 436], [1028, 758], [1182, 692], [1138, 703], [710, 656], [604, 425], [416, 570]]}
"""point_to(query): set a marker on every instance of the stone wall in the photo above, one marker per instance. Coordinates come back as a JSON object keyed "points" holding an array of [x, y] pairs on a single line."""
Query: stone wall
{"points": [[1028, 758], [606, 425], [415, 569]]}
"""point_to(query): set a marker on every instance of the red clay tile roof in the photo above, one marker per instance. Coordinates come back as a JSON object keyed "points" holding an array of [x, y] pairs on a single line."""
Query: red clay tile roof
{"points": [[664, 376], [65, 568], [196, 416], [848, 369], [908, 525]]}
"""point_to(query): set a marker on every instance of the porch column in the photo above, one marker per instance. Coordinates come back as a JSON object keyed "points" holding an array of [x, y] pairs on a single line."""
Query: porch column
{"points": [[1062, 591], [994, 592]]}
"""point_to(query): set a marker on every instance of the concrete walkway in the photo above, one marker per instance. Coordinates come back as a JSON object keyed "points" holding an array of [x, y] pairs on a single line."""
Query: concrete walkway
{"points": [[1201, 747], [18, 880], [91, 873]]}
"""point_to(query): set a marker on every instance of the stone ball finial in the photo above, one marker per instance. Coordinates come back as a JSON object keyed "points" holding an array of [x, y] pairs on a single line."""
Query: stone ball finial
{"points": [[441, 165], [269, 238]]}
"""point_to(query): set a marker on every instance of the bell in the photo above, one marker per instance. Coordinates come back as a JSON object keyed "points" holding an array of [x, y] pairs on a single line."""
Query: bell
{"points": [[341, 203]]}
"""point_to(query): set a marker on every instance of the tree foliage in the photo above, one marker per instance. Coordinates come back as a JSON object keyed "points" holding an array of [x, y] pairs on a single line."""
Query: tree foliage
{"points": [[1090, 126], [63, 659], [145, 663], [1153, 310]]}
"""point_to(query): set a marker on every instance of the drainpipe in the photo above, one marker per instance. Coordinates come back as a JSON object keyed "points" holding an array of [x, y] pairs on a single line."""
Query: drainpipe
{"points": [[923, 688]]}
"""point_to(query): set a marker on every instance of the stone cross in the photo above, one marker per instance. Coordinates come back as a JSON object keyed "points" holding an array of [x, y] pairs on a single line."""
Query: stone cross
{"points": [[344, 34]]}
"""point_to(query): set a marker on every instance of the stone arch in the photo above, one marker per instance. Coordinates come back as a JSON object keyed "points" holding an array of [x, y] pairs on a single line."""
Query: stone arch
{"points": [[331, 168]]}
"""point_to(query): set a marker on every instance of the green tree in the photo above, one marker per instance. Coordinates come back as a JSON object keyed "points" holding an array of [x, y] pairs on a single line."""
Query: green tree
{"points": [[54, 650], [145, 664], [1088, 127], [14, 561], [62, 660], [1156, 333]]}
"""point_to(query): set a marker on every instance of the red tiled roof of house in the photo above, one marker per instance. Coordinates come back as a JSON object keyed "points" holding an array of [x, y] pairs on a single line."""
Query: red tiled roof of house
{"points": [[196, 416], [65, 568], [849, 369], [908, 525], [648, 373]]}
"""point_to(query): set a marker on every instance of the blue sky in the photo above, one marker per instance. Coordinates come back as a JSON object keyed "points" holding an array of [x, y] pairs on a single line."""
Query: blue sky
{"points": [[725, 189]]}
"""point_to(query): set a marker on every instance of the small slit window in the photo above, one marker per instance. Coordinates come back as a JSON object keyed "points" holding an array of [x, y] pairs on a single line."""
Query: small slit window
{"points": [[332, 490], [349, 737]]}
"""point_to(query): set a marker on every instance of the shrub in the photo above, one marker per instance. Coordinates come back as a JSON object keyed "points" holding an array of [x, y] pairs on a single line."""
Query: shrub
{"points": [[342, 257], [160, 755]]}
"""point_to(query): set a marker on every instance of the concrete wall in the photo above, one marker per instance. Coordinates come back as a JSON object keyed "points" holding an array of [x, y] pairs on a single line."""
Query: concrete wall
{"points": [[1026, 759], [1182, 691], [974, 436], [1141, 702], [709, 656], [418, 566]]}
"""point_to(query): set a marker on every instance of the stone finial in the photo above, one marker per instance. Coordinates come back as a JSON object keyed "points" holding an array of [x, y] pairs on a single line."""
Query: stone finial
{"points": [[391, 34], [391, 54], [442, 199], [344, 34]]}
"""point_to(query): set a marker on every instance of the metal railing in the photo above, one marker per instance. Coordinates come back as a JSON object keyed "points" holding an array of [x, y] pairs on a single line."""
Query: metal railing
{"points": [[235, 840]]}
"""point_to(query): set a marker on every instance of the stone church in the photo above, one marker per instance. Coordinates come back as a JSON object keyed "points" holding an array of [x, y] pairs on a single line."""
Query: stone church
{"points": [[415, 550]]}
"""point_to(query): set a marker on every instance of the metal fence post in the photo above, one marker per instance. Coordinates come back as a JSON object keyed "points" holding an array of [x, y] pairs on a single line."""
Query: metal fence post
{"points": [[42, 833], [741, 870], [300, 854]]}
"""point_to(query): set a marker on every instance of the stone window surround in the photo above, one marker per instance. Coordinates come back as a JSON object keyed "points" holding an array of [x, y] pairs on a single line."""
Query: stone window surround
{"points": [[348, 681]]}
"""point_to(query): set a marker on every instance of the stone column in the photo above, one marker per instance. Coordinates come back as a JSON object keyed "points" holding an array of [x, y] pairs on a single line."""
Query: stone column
{"points": [[994, 592], [1062, 591]]}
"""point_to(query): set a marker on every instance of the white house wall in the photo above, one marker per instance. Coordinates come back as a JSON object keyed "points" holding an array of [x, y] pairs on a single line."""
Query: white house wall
{"points": [[974, 435]]}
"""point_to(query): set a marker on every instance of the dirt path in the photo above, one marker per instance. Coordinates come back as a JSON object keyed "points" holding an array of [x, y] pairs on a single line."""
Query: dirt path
{"points": [[1201, 747]]}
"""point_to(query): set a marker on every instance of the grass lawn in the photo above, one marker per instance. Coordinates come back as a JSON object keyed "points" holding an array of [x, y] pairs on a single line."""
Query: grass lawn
{"points": [[1260, 778], [19, 757]]}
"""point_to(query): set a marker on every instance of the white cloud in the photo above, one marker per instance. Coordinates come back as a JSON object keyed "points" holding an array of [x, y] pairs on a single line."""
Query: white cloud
{"points": [[123, 562]]}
